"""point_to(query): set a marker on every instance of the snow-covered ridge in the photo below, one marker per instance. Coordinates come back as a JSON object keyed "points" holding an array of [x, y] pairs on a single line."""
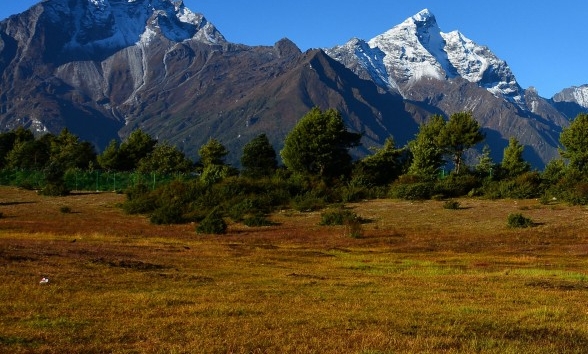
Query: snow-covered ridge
{"points": [[98, 24], [575, 94], [417, 49]]}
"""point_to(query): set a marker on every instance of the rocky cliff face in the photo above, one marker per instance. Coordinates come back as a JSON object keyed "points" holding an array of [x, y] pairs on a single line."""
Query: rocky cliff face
{"points": [[103, 68]]}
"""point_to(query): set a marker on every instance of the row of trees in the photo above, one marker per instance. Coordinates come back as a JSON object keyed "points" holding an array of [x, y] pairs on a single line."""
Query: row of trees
{"points": [[317, 163]]}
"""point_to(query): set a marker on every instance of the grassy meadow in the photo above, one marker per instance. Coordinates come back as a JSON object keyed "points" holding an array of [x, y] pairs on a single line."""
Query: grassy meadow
{"points": [[420, 279]]}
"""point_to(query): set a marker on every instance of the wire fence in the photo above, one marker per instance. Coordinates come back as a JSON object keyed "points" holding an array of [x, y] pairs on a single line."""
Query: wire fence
{"points": [[96, 180]]}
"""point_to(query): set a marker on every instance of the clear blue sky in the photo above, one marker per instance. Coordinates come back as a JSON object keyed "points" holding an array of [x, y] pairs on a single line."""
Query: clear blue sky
{"points": [[544, 42]]}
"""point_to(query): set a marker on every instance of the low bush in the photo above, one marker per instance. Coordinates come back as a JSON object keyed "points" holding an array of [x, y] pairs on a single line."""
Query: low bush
{"points": [[257, 220], [338, 216], [413, 191], [54, 190], [308, 201], [517, 220], [451, 204], [213, 224], [167, 215], [457, 185], [353, 229], [65, 209]]}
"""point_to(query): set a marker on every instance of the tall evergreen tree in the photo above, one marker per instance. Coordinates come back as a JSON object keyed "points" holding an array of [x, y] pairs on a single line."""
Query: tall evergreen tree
{"points": [[513, 163], [574, 141], [427, 154], [259, 157]]}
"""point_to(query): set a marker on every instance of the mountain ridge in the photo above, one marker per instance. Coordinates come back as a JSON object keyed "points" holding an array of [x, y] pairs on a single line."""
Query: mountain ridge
{"points": [[174, 75]]}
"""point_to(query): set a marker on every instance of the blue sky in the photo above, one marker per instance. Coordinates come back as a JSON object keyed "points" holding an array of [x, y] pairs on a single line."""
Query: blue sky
{"points": [[544, 42]]}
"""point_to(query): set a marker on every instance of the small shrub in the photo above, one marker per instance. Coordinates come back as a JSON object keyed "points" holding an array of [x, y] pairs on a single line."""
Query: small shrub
{"points": [[65, 210], [339, 216], [517, 220], [167, 215], [308, 202], [414, 191], [1, 215], [451, 204], [55, 190], [353, 228], [457, 185], [257, 220], [212, 224]]}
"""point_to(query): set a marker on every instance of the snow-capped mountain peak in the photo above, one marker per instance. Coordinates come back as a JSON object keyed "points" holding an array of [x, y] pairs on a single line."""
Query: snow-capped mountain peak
{"points": [[417, 49], [94, 25]]}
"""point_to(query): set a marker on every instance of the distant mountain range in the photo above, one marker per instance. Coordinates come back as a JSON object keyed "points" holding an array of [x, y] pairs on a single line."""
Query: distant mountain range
{"points": [[103, 68]]}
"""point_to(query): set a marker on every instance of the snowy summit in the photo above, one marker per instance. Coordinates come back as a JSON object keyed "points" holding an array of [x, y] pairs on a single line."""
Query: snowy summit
{"points": [[417, 49]]}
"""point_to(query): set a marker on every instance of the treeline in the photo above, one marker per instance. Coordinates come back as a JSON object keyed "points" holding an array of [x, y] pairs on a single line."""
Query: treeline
{"points": [[317, 170]]}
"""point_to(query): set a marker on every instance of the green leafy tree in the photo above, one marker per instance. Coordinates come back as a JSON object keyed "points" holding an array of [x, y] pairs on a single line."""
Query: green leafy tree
{"points": [[110, 159], [7, 141], [381, 168], [318, 145], [10, 140], [69, 151], [138, 145], [30, 154], [165, 158], [513, 163], [427, 154], [259, 157], [460, 133], [574, 140], [126, 156]]}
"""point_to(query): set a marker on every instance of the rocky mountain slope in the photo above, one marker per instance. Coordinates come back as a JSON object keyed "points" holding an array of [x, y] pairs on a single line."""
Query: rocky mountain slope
{"points": [[451, 73], [103, 68]]}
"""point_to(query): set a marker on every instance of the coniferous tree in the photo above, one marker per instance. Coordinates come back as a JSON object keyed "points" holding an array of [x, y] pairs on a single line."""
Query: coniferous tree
{"points": [[381, 168], [259, 157], [513, 163], [427, 154], [574, 140], [318, 145], [165, 158], [486, 166]]}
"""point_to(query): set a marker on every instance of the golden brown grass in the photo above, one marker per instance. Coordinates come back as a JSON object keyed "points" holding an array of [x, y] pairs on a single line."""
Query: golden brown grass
{"points": [[422, 279]]}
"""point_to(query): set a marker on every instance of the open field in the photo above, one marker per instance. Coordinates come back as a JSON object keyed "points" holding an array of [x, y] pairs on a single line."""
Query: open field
{"points": [[422, 279]]}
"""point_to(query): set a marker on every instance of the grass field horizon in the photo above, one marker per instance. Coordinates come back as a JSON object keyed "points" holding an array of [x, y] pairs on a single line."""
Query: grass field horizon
{"points": [[420, 279]]}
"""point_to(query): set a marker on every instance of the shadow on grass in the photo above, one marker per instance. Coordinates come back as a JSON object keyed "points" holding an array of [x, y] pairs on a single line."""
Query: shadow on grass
{"points": [[15, 203]]}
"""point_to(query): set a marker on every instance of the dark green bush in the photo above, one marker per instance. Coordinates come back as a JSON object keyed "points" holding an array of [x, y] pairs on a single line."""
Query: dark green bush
{"points": [[414, 191], [517, 220], [55, 190], [65, 209], [143, 204], [457, 185], [257, 220], [309, 201], [451, 204], [167, 215], [338, 216], [525, 186], [212, 224]]}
